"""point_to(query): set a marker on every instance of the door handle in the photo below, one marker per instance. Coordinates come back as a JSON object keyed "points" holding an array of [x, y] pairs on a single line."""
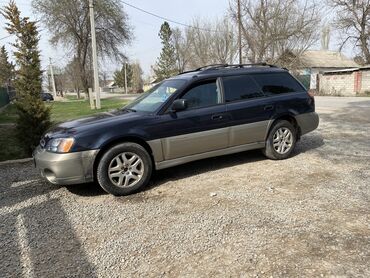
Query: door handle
{"points": [[268, 107], [217, 117]]}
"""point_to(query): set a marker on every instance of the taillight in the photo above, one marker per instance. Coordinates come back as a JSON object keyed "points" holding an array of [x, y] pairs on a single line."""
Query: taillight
{"points": [[312, 97]]}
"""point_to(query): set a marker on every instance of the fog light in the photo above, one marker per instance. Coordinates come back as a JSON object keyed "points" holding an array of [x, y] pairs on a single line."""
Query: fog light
{"points": [[49, 175]]}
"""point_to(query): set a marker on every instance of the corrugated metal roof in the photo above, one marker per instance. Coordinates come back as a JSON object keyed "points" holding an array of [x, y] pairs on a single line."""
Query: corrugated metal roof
{"points": [[347, 70], [326, 59]]}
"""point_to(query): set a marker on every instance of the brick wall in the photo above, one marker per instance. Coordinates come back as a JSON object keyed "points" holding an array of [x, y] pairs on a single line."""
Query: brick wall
{"points": [[335, 84], [365, 81]]}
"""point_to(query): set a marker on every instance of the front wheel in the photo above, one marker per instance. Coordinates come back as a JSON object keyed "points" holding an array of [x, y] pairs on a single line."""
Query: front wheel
{"points": [[281, 141], [124, 169]]}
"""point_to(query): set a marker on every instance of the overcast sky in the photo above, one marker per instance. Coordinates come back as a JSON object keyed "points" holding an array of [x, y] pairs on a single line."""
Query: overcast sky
{"points": [[146, 45]]}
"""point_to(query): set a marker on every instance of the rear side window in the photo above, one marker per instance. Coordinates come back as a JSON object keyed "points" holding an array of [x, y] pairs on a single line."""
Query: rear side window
{"points": [[240, 88], [277, 83]]}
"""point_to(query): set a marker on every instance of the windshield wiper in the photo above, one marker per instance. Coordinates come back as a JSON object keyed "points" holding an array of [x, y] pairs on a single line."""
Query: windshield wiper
{"points": [[129, 109]]}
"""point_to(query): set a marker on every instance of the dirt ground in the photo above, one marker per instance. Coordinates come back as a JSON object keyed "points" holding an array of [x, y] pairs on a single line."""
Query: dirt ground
{"points": [[238, 215]]}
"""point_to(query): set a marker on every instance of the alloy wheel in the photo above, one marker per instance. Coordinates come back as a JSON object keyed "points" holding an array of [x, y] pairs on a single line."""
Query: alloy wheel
{"points": [[126, 169], [283, 140]]}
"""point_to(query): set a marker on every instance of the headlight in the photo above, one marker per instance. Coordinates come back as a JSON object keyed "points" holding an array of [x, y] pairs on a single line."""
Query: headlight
{"points": [[60, 145]]}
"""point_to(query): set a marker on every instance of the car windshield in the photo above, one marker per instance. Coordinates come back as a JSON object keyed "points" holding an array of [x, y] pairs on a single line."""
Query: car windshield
{"points": [[156, 96]]}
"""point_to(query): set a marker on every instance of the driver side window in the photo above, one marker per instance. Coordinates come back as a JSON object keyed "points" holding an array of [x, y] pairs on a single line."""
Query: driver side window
{"points": [[203, 94]]}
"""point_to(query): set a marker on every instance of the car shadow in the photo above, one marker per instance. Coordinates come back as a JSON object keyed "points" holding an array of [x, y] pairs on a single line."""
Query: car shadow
{"points": [[222, 162], [90, 189], [307, 143]]}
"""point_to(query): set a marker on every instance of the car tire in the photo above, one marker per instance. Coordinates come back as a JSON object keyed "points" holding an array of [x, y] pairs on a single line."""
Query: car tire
{"points": [[281, 140], [124, 169]]}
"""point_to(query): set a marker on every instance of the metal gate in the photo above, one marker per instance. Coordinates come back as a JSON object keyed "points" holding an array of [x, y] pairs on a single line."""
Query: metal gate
{"points": [[4, 97]]}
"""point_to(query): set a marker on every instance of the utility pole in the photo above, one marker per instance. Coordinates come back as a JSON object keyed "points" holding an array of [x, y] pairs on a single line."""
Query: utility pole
{"points": [[52, 79], [126, 92], [94, 54], [240, 34]]}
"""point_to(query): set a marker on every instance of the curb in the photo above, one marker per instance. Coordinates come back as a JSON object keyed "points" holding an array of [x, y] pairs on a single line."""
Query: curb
{"points": [[9, 162]]}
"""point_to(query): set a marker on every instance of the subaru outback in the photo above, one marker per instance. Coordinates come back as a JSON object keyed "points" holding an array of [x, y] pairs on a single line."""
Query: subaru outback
{"points": [[212, 111]]}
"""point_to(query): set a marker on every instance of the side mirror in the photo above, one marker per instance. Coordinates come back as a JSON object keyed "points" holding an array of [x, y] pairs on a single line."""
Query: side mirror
{"points": [[179, 105]]}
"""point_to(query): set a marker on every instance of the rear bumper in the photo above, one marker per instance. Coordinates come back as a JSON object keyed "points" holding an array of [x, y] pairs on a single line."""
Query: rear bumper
{"points": [[68, 168], [307, 122]]}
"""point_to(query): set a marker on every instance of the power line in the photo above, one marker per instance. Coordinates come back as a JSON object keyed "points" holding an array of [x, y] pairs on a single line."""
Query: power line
{"points": [[167, 19], [3, 38]]}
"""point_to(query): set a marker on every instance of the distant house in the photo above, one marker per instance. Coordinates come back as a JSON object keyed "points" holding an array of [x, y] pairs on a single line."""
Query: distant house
{"points": [[148, 85], [109, 86], [329, 72], [314, 62]]}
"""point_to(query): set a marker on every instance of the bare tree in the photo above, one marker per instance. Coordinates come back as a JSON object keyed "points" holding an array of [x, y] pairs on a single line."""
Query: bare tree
{"points": [[205, 43], [137, 78], [74, 77], [224, 42], [69, 25], [272, 28], [353, 19], [182, 49]]}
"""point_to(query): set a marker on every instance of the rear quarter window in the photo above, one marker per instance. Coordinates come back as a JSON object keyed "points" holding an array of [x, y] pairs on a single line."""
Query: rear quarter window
{"points": [[277, 83], [240, 88]]}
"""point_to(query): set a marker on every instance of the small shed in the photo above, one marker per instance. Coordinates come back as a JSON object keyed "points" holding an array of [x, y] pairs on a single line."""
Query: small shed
{"points": [[346, 82]]}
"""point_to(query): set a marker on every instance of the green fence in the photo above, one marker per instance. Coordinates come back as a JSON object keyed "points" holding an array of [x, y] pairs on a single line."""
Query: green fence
{"points": [[305, 80], [4, 97]]}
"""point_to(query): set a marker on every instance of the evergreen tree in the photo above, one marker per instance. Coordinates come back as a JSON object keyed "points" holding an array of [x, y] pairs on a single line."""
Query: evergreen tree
{"points": [[166, 65], [33, 116], [7, 68], [119, 76]]}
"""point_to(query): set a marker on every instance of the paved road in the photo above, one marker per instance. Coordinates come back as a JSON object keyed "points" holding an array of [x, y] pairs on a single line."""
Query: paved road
{"points": [[238, 215]]}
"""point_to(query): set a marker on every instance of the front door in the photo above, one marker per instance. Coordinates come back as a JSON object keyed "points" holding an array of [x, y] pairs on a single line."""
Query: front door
{"points": [[202, 127]]}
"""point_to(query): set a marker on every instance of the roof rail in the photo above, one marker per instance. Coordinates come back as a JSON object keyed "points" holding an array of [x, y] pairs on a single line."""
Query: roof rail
{"points": [[221, 66], [207, 67], [212, 66], [252, 65]]}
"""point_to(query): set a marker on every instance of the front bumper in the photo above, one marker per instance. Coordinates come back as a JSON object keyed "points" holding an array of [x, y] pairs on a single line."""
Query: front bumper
{"points": [[65, 168]]}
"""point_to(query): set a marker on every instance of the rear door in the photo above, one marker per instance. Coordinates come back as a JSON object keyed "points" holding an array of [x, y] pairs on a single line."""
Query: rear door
{"points": [[250, 110], [288, 95]]}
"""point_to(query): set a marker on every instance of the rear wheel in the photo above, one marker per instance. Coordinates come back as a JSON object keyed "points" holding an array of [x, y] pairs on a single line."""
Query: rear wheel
{"points": [[281, 140], [124, 169]]}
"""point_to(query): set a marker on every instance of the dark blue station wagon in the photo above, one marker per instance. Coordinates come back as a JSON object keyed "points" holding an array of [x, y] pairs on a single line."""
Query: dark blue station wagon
{"points": [[212, 111]]}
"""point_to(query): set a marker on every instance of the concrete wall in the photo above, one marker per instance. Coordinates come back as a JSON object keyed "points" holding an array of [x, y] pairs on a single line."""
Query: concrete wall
{"points": [[338, 84]]}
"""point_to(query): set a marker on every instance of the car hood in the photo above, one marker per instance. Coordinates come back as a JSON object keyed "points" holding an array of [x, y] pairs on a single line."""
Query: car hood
{"points": [[97, 121]]}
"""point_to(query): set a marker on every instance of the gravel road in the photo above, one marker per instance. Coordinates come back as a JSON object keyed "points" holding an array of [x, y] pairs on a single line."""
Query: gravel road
{"points": [[238, 215]]}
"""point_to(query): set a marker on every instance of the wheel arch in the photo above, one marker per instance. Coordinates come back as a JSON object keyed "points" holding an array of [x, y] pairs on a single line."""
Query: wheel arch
{"points": [[125, 139], [287, 117]]}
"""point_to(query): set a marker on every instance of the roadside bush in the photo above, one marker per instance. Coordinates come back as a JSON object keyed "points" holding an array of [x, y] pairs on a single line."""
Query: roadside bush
{"points": [[33, 116], [33, 120]]}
